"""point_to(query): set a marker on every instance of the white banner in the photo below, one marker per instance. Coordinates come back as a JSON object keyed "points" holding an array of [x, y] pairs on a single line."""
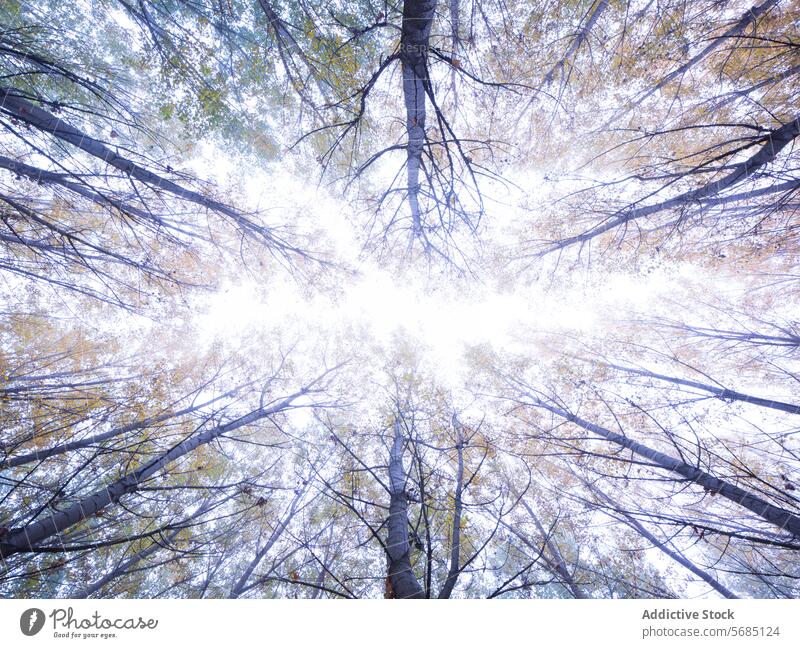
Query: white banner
{"points": [[393, 624]]}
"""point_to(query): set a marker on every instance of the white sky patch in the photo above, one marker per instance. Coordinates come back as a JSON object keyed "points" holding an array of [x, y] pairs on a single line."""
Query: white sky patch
{"points": [[445, 318], [282, 197], [376, 304]]}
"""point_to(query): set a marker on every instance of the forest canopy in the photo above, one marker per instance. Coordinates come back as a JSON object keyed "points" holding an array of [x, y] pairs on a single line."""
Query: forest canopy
{"points": [[360, 299]]}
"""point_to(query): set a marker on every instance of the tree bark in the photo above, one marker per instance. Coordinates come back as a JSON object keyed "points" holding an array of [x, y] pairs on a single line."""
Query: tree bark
{"points": [[404, 583], [770, 513], [28, 537], [661, 546], [414, 42], [719, 392]]}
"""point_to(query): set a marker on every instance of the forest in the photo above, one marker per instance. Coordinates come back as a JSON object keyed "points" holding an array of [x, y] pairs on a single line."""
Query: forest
{"points": [[416, 299]]}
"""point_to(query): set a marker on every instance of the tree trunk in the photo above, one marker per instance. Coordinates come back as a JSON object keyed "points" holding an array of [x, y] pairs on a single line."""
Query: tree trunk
{"points": [[747, 19], [557, 564], [41, 455], [773, 514], [15, 105], [661, 546], [458, 505], [776, 141], [404, 583], [725, 394], [28, 537], [241, 583], [415, 35]]}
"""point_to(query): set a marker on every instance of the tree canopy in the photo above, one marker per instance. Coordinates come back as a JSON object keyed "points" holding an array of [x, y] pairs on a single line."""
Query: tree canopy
{"points": [[360, 299]]}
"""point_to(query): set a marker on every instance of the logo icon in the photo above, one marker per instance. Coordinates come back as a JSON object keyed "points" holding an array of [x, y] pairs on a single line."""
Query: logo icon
{"points": [[31, 621]]}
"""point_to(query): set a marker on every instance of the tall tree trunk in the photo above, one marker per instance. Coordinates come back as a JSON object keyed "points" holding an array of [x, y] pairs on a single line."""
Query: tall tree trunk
{"points": [[404, 583], [122, 568], [557, 562], [719, 392], [14, 104], [773, 514], [28, 537], [748, 18], [661, 546], [774, 142], [45, 453], [577, 41], [414, 39], [458, 505], [241, 583], [127, 565]]}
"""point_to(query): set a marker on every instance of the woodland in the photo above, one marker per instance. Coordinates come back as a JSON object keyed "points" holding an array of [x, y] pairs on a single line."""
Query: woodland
{"points": [[418, 299]]}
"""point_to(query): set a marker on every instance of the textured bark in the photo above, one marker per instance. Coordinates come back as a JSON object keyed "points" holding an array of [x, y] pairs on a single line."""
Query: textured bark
{"points": [[30, 536], [455, 26], [414, 41], [404, 583], [769, 512]]}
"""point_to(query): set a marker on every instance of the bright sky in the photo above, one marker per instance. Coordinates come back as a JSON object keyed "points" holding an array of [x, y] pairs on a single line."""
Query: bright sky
{"points": [[445, 315]]}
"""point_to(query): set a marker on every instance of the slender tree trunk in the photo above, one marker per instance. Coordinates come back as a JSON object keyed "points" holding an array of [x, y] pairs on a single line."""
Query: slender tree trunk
{"points": [[41, 455], [776, 141], [581, 36], [455, 540], [319, 584], [725, 394], [414, 40], [86, 190], [241, 583], [770, 513], [125, 566], [661, 546], [121, 569], [558, 564], [747, 19], [28, 537], [12, 103], [401, 576]]}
